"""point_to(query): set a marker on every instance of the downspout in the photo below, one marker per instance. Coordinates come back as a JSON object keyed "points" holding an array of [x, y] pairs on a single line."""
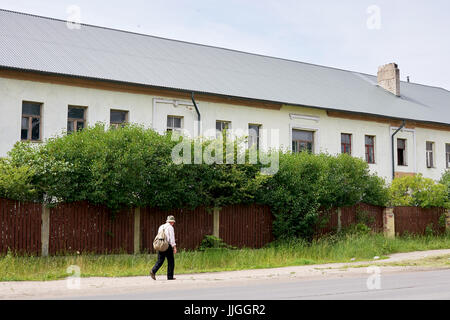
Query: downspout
{"points": [[198, 112], [393, 150]]}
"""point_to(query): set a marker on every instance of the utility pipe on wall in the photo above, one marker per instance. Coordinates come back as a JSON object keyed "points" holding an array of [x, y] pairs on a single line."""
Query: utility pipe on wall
{"points": [[393, 149], [198, 113]]}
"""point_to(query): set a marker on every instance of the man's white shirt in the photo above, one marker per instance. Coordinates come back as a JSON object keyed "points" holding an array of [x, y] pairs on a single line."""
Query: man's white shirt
{"points": [[170, 233]]}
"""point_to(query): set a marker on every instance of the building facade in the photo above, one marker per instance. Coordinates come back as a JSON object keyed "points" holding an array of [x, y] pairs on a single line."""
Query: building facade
{"points": [[316, 108]]}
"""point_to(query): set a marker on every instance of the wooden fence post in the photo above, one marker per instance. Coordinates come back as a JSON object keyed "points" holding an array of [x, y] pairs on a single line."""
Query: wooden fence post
{"points": [[447, 221], [45, 230], [389, 222], [339, 221], [137, 230], [216, 223]]}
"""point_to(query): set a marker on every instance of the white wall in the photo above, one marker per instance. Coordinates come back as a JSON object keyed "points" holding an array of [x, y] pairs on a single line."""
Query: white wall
{"points": [[153, 111]]}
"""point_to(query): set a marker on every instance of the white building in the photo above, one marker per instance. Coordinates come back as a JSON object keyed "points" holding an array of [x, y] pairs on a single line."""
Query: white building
{"points": [[54, 78]]}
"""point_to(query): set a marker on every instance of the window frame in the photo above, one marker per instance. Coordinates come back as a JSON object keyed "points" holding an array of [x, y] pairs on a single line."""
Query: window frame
{"points": [[222, 129], [297, 142], [258, 136], [76, 120], [368, 147], [404, 151], [173, 128], [29, 118], [345, 145], [116, 125], [447, 155], [430, 164]]}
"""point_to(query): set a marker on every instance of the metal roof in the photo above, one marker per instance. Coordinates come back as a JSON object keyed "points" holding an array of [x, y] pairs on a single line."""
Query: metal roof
{"points": [[35, 43]]}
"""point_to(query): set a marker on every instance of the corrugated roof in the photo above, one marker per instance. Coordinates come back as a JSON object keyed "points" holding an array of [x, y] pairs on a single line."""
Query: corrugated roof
{"points": [[42, 44]]}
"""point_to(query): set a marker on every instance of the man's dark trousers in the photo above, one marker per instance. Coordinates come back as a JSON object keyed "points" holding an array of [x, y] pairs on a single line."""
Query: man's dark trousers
{"points": [[170, 260]]}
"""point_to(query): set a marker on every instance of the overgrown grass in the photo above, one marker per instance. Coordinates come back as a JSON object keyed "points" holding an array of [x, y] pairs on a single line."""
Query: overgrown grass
{"points": [[278, 254]]}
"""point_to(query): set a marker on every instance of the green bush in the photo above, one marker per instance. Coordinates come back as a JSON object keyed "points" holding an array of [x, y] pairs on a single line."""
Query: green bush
{"points": [[307, 183], [15, 182], [133, 167], [130, 167], [417, 191], [445, 180]]}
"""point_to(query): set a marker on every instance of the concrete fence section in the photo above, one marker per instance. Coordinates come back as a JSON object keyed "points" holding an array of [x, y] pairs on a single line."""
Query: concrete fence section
{"points": [[31, 228]]}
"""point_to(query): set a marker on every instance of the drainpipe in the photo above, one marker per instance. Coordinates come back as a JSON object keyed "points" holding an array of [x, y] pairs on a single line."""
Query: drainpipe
{"points": [[393, 150], [198, 112]]}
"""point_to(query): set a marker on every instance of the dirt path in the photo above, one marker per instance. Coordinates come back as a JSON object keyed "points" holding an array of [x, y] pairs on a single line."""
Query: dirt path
{"points": [[101, 286]]}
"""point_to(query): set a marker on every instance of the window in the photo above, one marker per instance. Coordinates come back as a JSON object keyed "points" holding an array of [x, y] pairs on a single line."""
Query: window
{"points": [[430, 155], [31, 121], [302, 141], [370, 149], [447, 154], [174, 123], [346, 143], [401, 152], [222, 126], [253, 135], [118, 118], [76, 119]]}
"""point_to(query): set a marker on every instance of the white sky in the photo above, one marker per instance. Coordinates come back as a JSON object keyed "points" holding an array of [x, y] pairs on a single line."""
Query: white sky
{"points": [[414, 34]]}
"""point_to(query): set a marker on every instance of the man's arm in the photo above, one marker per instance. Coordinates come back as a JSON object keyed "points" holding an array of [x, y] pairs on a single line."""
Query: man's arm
{"points": [[172, 239]]}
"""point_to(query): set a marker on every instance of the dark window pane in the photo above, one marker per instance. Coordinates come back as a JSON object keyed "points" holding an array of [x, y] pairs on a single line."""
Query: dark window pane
{"points": [[429, 146], [76, 113], [401, 144], [169, 122], [370, 140], [302, 135], [177, 122], [447, 148], [80, 125], [31, 108], [70, 126], [346, 138], [118, 116], [35, 130]]}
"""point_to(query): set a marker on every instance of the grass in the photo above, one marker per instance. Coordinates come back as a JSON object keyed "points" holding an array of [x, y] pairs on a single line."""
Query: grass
{"points": [[278, 254]]}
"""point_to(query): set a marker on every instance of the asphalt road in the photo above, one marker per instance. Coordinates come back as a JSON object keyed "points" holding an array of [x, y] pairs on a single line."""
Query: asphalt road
{"points": [[427, 285]]}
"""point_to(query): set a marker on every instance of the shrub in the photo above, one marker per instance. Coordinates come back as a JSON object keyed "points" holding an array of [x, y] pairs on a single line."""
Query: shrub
{"points": [[418, 191], [15, 182], [445, 180], [307, 183]]}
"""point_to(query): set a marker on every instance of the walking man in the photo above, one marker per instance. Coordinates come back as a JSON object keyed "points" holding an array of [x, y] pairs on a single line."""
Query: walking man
{"points": [[170, 236]]}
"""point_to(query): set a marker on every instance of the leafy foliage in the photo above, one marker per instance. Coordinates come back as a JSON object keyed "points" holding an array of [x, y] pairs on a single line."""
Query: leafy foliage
{"points": [[418, 191], [307, 183]]}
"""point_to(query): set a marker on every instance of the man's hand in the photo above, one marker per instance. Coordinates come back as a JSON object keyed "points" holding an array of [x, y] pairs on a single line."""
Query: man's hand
{"points": [[174, 250]]}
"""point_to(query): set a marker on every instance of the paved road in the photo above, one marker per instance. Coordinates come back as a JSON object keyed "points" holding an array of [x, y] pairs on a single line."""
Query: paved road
{"points": [[429, 285]]}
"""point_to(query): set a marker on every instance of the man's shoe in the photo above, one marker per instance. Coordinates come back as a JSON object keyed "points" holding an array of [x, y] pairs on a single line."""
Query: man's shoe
{"points": [[152, 275]]}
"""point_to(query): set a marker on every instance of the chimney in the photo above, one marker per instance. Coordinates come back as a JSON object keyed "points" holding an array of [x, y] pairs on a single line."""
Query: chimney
{"points": [[389, 78]]}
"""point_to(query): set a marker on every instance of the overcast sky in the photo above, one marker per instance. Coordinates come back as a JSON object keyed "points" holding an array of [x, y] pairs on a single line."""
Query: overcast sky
{"points": [[356, 35]]}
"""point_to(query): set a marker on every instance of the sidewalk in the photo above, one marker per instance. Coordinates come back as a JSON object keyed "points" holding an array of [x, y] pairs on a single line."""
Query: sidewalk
{"points": [[100, 286]]}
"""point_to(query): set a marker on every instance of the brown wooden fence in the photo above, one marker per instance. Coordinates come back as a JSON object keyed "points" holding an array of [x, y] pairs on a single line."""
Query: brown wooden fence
{"points": [[87, 228], [414, 220], [81, 227], [360, 213], [20, 227], [190, 227], [246, 225]]}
